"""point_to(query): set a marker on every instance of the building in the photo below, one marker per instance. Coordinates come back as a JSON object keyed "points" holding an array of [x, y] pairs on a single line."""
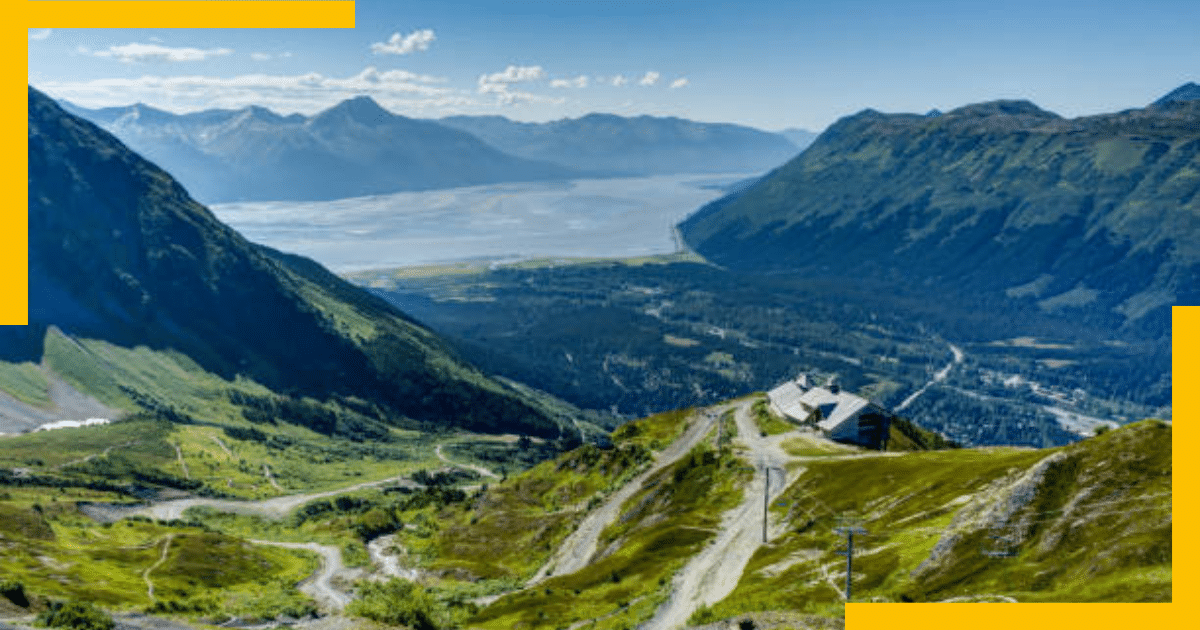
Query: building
{"points": [[840, 415]]}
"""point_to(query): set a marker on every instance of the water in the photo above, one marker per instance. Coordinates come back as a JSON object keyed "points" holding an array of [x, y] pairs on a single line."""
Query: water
{"points": [[580, 218]]}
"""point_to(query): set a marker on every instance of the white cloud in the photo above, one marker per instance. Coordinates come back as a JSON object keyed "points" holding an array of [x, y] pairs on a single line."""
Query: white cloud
{"points": [[263, 56], [580, 81], [143, 53], [619, 80], [514, 74], [501, 84], [39, 33], [305, 93], [403, 45], [678, 83], [650, 79]]}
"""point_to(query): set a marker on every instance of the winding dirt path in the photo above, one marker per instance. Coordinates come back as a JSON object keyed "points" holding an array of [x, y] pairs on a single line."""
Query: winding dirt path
{"points": [[166, 547], [182, 464], [712, 574], [320, 584], [271, 478], [578, 548], [274, 508], [938, 377], [479, 469]]}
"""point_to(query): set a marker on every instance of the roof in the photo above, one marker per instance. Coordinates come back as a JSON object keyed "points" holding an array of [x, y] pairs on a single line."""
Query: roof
{"points": [[786, 399], [836, 408]]}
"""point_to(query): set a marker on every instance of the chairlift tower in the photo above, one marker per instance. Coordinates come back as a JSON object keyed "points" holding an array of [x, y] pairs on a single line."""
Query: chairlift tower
{"points": [[849, 526]]}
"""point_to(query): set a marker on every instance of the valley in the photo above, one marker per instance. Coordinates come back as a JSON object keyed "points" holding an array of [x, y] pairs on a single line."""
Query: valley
{"points": [[637, 337], [534, 397]]}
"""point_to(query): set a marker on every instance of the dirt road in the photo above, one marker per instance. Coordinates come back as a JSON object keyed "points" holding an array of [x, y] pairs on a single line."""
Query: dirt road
{"points": [[578, 548], [712, 574], [319, 585], [479, 469], [937, 377], [275, 508]]}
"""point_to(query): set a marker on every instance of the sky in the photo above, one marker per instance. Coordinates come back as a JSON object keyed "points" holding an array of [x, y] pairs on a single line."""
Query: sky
{"points": [[768, 64]]}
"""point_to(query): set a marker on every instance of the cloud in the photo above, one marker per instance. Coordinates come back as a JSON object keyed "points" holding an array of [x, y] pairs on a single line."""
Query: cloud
{"points": [[262, 56], [514, 74], [650, 79], [403, 45], [580, 81], [147, 53], [305, 93], [619, 80], [39, 34], [678, 83], [501, 84]]}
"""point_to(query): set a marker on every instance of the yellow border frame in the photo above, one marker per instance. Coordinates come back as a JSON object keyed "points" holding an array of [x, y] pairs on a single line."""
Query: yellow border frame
{"points": [[340, 14]]}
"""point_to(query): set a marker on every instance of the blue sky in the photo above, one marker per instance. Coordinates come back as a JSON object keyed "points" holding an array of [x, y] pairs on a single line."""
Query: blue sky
{"points": [[767, 64]]}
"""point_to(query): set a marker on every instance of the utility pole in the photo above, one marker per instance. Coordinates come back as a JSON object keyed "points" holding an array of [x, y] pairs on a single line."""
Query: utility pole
{"points": [[849, 527], [767, 493]]}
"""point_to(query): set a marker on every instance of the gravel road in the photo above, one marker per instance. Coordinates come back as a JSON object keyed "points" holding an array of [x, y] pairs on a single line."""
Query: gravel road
{"points": [[578, 548], [712, 574], [320, 584]]}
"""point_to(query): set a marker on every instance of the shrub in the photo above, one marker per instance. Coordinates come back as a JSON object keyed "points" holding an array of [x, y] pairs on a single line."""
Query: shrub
{"points": [[395, 602], [14, 592], [76, 615]]}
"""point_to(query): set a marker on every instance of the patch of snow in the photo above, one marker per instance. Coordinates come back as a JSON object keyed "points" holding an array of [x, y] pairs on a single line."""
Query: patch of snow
{"points": [[72, 424]]}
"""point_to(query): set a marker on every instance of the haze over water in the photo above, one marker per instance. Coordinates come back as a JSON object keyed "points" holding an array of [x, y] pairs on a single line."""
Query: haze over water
{"points": [[579, 218]]}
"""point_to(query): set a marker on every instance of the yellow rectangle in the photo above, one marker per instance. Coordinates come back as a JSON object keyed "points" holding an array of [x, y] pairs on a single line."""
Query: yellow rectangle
{"points": [[190, 14]]}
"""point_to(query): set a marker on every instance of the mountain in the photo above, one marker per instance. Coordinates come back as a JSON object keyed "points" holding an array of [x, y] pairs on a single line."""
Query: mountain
{"points": [[353, 149], [127, 272], [644, 145], [1185, 92], [799, 137], [1001, 208]]}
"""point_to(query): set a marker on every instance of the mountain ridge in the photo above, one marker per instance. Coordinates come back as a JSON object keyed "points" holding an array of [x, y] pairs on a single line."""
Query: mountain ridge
{"points": [[120, 252], [638, 145], [1002, 199], [256, 154]]}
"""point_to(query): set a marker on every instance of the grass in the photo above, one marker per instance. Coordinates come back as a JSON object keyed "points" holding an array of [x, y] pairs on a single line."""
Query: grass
{"points": [[654, 432], [768, 423], [1114, 544], [809, 446], [26, 382], [660, 528], [56, 552], [509, 531]]}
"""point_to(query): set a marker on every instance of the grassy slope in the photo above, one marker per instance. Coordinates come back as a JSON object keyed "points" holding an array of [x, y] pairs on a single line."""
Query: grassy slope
{"points": [[57, 552], [510, 531], [1096, 529], [671, 519]]}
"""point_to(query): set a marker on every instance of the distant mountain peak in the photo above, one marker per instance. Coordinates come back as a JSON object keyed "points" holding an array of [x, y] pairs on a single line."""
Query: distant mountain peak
{"points": [[362, 109], [1186, 92], [1002, 107]]}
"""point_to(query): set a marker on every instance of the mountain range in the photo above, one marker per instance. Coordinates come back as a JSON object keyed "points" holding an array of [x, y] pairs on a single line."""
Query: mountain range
{"points": [[644, 145], [254, 154], [1000, 205], [121, 256]]}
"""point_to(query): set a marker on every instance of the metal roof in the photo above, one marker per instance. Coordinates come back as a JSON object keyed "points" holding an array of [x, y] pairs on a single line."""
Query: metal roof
{"points": [[836, 408]]}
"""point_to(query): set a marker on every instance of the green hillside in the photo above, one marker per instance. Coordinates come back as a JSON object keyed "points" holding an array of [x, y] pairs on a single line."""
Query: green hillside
{"points": [[1000, 206], [140, 298]]}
